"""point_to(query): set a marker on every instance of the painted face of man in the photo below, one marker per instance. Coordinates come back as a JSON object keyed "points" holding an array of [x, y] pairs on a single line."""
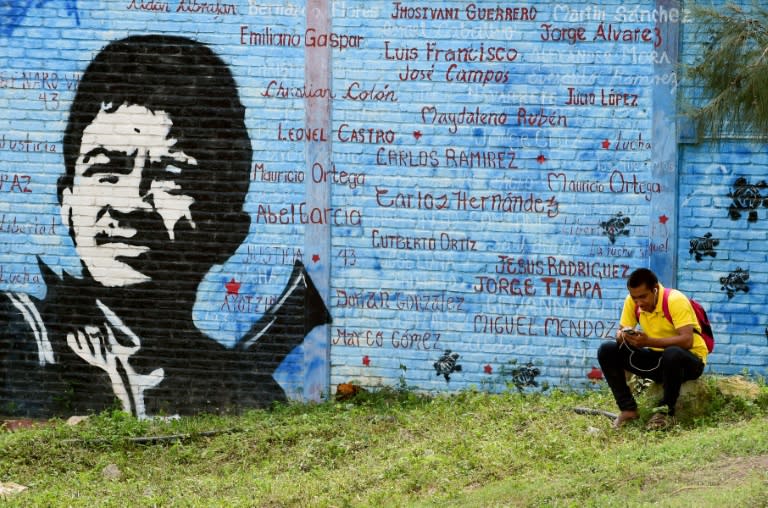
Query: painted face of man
{"points": [[127, 207]]}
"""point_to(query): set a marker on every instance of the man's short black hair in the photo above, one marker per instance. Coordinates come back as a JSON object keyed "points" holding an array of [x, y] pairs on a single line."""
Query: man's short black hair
{"points": [[642, 276], [194, 86]]}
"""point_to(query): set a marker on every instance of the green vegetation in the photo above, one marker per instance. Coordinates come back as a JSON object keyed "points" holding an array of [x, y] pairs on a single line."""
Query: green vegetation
{"points": [[398, 448], [732, 70]]}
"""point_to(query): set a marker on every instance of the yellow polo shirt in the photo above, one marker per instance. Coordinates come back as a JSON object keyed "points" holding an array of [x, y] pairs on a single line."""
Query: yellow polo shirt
{"points": [[656, 325]]}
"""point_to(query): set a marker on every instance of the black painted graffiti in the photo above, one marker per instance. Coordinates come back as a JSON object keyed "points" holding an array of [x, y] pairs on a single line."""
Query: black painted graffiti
{"points": [[735, 281], [446, 364], [15, 13], [525, 376], [146, 236], [747, 198], [704, 246], [615, 226]]}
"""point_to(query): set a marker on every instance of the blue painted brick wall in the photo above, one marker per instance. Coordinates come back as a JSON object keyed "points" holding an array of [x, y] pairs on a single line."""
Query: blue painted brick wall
{"points": [[709, 174], [493, 330], [464, 252]]}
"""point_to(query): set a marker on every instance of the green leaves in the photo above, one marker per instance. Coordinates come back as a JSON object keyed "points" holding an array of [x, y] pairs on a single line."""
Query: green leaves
{"points": [[732, 71]]}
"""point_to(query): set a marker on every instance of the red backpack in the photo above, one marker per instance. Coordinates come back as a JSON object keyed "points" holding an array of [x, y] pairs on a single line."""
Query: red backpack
{"points": [[701, 317]]}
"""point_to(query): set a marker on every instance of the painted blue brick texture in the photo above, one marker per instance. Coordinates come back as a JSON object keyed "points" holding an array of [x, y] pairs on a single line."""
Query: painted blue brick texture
{"points": [[729, 273], [494, 176]]}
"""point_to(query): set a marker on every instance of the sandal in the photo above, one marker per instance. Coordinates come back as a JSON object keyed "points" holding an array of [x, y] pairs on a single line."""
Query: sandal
{"points": [[660, 421]]}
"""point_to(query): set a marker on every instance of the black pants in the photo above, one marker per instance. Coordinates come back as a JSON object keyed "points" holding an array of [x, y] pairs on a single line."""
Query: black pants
{"points": [[670, 367]]}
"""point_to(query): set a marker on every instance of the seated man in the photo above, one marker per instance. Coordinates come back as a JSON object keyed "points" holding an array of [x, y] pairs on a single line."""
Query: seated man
{"points": [[668, 353]]}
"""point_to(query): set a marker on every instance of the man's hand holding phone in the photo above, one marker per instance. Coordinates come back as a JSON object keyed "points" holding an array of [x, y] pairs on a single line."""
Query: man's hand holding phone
{"points": [[633, 337]]}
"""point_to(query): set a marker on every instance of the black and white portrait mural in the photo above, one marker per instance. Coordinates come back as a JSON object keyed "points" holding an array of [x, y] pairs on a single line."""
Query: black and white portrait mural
{"points": [[157, 162], [191, 190]]}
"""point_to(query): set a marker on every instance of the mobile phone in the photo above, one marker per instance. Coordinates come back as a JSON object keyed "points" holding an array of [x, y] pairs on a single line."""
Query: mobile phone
{"points": [[629, 331]]}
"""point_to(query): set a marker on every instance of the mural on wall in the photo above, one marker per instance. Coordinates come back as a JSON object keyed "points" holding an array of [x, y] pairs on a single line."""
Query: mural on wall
{"points": [[508, 184], [466, 183], [157, 168], [447, 365], [703, 246], [735, 281], [525, 376], [615, 227], [747, 198]]}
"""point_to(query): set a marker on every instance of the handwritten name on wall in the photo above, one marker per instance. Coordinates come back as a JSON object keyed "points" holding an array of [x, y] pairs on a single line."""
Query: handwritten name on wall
{"points": [[437, 175], [490, 172]]}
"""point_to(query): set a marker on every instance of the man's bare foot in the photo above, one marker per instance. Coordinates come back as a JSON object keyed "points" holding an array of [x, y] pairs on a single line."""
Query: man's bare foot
{"points": [[624, 417]]}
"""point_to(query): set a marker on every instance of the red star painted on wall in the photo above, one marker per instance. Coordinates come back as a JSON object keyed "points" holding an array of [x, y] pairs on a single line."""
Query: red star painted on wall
{"points": [[488, 369], [366, 360], [315, 258], [663, 219], [417, 135], [233, 287], [541, 159], [606, 144]]}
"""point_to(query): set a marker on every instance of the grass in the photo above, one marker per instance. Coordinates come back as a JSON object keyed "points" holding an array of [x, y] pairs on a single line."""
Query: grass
{"points": [[397, 448]]}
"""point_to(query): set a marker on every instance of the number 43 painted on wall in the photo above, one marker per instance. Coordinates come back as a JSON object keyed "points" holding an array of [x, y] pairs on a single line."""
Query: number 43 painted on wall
{"points": [[349, 257]]}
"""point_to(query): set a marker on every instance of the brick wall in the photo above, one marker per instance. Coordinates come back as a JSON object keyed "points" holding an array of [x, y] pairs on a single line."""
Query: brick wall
{"points": [[530, 286], [465, 187], [722, 243]]}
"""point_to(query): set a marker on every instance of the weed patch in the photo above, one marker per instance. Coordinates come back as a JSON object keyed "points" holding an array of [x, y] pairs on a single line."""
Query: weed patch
{"points": [[393, 447]]}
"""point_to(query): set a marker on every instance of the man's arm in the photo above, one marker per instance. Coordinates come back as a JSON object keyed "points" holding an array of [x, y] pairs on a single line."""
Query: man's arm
{"points": [[628, 319], [683, 339]]}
